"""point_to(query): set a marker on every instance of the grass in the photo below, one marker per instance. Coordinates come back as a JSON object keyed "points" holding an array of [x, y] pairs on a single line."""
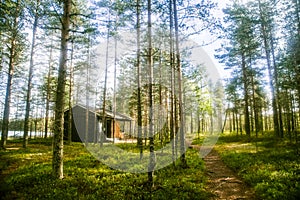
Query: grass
{"points": [[26, 174], [268, 164]]}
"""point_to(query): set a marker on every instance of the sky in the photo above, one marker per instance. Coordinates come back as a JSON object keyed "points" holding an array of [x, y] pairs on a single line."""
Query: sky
{"points": [[210, 49]]}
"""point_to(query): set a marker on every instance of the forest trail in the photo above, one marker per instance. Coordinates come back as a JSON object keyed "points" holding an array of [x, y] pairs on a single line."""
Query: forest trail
{"points": [[223, 183]]}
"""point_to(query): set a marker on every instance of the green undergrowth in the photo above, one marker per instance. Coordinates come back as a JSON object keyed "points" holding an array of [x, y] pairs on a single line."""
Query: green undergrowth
{"points": [[268, 164], [27, 175], [198, 140]]}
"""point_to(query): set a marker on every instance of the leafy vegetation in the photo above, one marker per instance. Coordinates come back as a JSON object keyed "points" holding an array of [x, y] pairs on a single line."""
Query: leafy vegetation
{"points": [[27, 174], [269, 164]]}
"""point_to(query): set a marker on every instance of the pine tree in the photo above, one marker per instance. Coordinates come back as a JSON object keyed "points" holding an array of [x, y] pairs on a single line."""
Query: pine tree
{"points": [[180, 94], [268, 45], [138, 65], [15, 39], [57, 160], [35, 8], [152, 159], [239, 55]]}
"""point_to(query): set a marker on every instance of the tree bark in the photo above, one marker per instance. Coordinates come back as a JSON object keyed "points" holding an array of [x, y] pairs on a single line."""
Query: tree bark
{"points": [[255, 107], [30, 75], [70, 116], [115, 79], [10, 74], [138, 65], [57, 160], [5, 119], [268, 58], [87, 96], [48, 92], [152, 161], [180, 95], [246, 96], [104, 128], [172, 90]]}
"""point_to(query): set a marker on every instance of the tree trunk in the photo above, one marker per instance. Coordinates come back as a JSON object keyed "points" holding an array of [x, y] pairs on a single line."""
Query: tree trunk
{"points": [[233, 119], [261, 121], [192, 127], [145, 127], [138, 65], [224, 124], [167, 117], [70, 116], [172, 90], [29, 84], [87, 96], [104, 127], [241, 128], [115, 80], [11, 65], [198, 125], [152, 158], [57, 161], [256, 123], [180, 95], [159, 124], [48, 92], [246, 97], [5, 121], [271, 83], [96, 125], [237, 121], [230, 121], [280, 125]]}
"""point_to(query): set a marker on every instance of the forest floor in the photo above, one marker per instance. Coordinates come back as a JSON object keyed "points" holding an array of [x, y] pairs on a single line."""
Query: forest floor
{"points": [[26, 174], [223, 182], [237, 168]]}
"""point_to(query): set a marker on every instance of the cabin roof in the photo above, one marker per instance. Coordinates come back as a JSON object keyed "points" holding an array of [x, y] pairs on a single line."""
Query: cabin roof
{"points": [[108, 113]]}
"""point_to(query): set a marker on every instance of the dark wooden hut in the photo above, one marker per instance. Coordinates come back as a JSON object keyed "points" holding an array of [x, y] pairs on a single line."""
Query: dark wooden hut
{"points": [[94, 123]]}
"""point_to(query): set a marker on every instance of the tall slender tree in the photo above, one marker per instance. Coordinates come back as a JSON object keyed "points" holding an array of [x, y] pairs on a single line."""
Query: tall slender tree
{"points": [[71, 77], [138, 65], [152, 158], [104, 128], [241, 50], [15, 40], [180, 94], [30, 74], [57, 160], [48, 89], [266, 33], [171, 43]]}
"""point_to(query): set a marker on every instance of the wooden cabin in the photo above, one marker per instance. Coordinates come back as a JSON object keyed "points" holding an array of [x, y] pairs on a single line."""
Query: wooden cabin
{"points": [[82, 116]]}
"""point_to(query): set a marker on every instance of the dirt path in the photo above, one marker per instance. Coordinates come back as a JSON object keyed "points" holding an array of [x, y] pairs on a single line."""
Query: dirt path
{"points": [[223, 182]]}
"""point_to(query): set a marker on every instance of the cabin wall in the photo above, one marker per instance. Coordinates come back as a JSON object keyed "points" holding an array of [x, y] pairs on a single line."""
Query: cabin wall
{"points": [[94, 121], [79, 125]]}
